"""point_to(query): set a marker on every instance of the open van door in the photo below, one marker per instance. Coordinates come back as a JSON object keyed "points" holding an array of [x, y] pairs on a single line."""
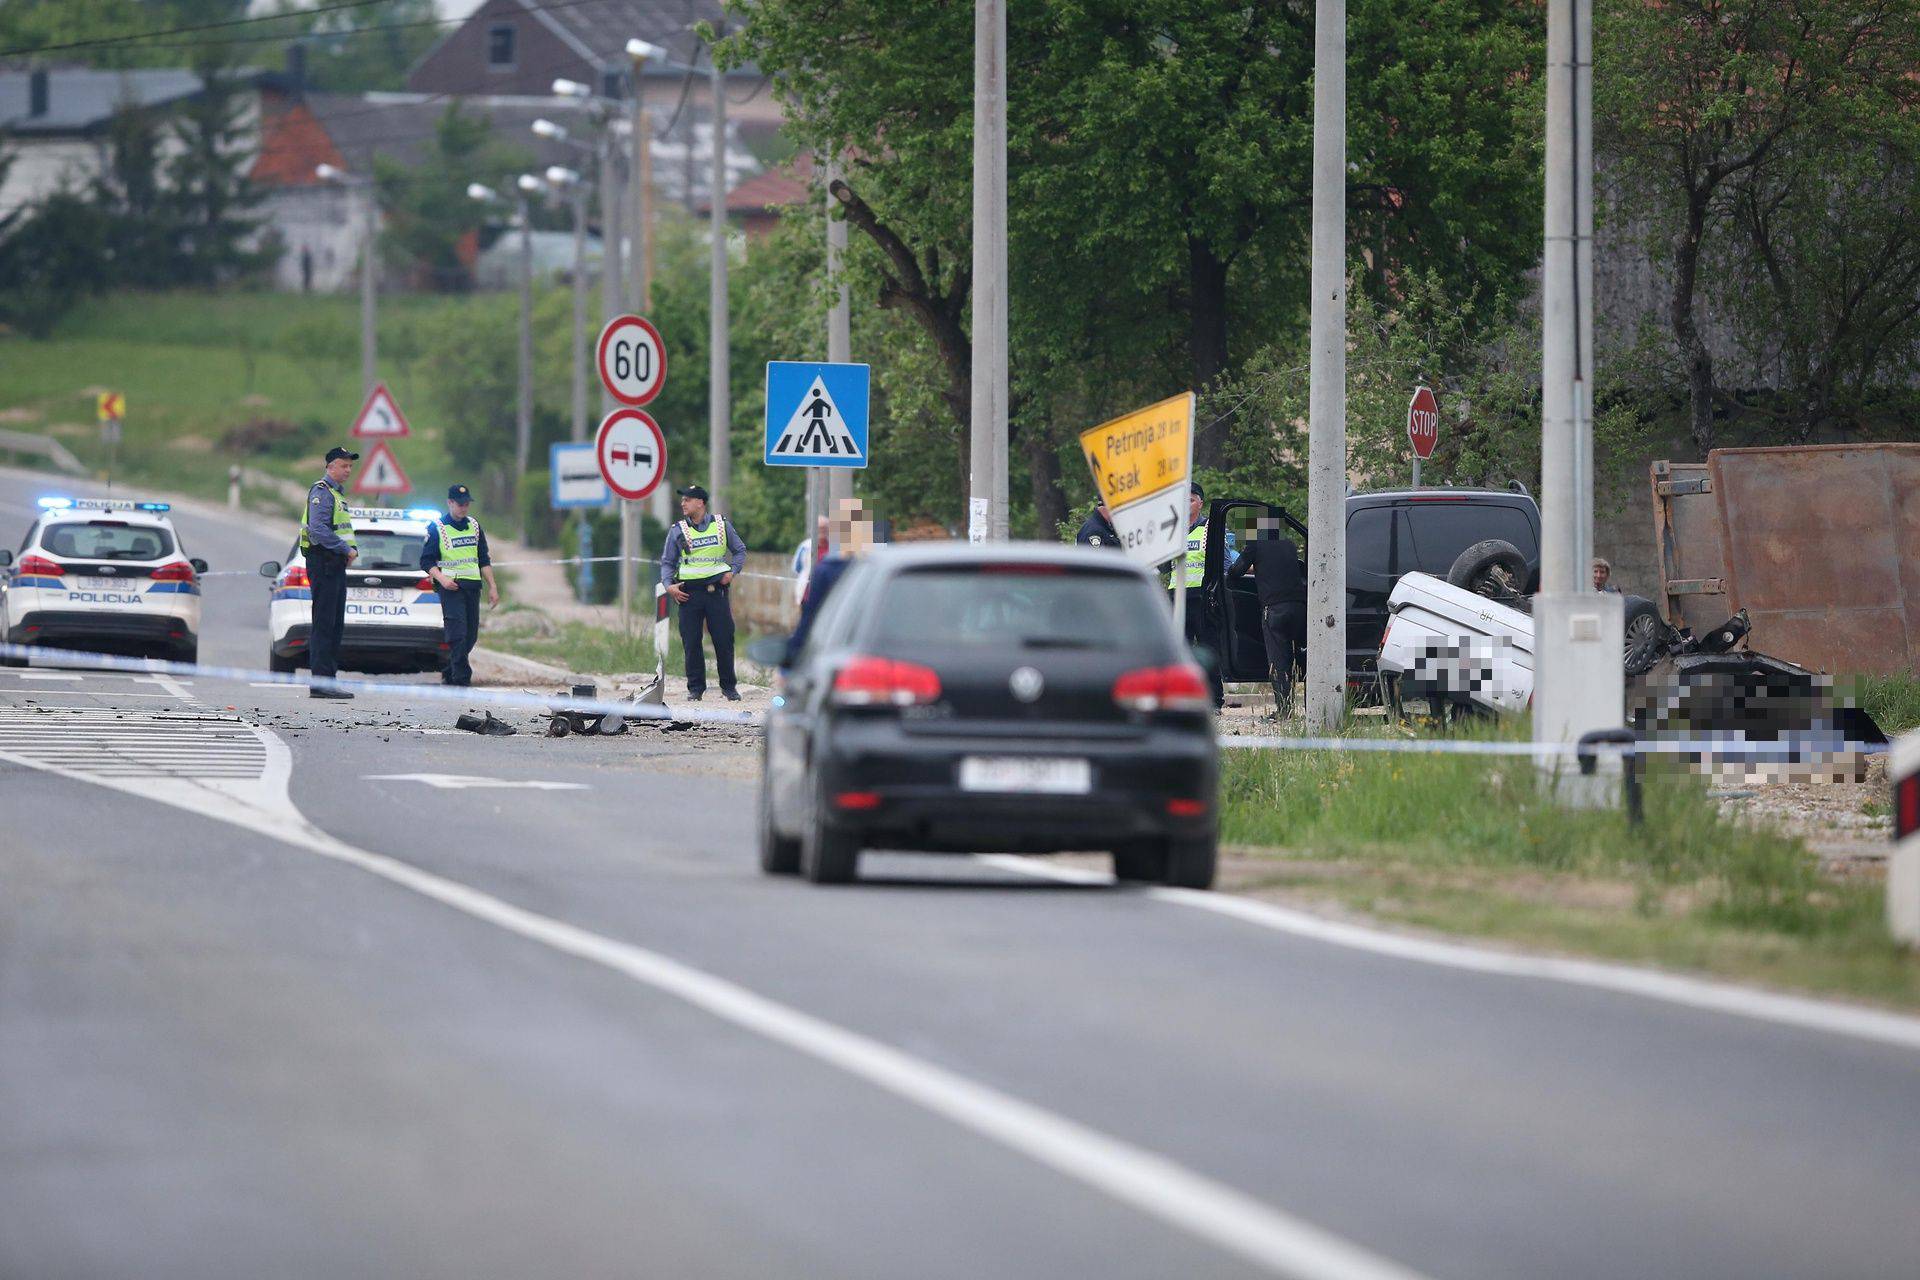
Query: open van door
{"points": [[1233, 608]]}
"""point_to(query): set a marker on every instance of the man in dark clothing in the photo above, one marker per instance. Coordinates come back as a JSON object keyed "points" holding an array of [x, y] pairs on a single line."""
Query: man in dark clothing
{"points": [[701, 554], [852, 537], [455, 556], [1097, 530], [1282, 587]]}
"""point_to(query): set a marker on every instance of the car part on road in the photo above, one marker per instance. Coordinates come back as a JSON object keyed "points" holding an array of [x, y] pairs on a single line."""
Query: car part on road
{"points": [[484, 723], [562, 719], [1494, 568]]}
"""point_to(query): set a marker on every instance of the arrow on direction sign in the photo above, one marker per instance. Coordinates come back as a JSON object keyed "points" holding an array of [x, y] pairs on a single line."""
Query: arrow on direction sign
{"points": [[1173, 518]]}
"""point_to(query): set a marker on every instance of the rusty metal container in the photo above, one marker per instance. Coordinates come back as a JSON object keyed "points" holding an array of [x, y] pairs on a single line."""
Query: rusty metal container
{"points": [[1820, 544]]}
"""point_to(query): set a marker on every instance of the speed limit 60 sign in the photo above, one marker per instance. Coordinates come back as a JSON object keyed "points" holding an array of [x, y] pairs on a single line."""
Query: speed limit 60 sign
{"points": [[633, 360]]}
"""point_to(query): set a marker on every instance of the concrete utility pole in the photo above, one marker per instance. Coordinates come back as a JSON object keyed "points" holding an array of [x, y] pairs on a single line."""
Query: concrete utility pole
{"points": [[565, 180], [839, 480], [369, 251], [523, 411], [1327, 378], [719, 394], [640, 276], [987, 481], [1579, 683]]}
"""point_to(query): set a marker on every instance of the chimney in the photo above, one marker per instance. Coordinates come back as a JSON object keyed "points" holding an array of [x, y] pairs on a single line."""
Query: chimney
{"points": [[37, 93], [296, 70]]}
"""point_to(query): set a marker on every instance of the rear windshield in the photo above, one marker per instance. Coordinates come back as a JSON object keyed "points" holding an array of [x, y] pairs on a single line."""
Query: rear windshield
{"points": [[1020, 606], [106, 540], [387, 549]]}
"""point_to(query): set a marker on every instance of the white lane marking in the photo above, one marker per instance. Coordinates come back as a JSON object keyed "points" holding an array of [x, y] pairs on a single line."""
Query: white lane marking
{"points": [[1800, 1012], [1152, 1184], [45, 675], [262, 684], [172, 684], [466, 782]]}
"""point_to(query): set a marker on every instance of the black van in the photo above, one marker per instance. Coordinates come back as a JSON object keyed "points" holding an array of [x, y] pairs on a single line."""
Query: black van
{"points": [[1388, 534]]}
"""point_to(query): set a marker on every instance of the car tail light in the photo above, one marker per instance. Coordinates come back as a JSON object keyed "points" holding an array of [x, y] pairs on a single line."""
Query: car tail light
{"points": [[1180, 687], [297, 577], [425, 584], [885, 682], [1182, 807], [1906, 807], [1384, 633], [858, 800], [40, 567], [173, 571]]}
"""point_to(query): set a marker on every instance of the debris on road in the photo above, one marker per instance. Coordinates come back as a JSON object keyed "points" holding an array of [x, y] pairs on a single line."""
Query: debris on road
{"points": [[485, 724]]}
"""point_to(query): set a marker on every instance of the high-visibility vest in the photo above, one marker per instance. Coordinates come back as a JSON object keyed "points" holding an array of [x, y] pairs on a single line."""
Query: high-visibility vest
{"points": [[1194, 563], [705, 554], [460, 550], [342, 522]]}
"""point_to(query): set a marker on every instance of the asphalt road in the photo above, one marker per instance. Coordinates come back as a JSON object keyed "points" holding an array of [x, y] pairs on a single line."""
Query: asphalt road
{"points": [[271, 1004]]}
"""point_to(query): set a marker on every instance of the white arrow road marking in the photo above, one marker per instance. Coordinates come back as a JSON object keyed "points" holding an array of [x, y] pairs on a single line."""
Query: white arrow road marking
{"points": [[1802, 1012], [1211, 1211], [464, 782]]}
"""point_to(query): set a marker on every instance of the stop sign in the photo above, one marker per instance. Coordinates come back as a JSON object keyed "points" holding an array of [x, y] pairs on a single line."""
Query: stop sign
{"points": [[1423, 422]]}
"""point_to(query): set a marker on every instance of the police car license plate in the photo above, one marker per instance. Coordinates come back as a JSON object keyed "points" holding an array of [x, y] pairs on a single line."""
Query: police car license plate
{"points": [[1032, 775], [376, 595], [103, 584]]}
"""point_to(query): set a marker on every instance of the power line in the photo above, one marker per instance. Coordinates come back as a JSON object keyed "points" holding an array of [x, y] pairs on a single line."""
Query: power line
{"points": [[102, 41]]}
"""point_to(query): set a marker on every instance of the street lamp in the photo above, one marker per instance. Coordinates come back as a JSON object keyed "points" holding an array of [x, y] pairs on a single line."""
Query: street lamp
{"points": [[526, 186], [369, 233], [719, 407], [568, 182]]}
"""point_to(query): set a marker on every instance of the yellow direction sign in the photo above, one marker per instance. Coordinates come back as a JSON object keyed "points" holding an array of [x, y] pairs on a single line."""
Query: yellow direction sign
{"points": [[1140, 463], [111, 405]]}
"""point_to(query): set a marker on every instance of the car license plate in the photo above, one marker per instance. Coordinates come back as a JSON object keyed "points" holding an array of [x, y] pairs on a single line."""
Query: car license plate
{"points": [[1033, 775], [376, 595], [104, 584]]}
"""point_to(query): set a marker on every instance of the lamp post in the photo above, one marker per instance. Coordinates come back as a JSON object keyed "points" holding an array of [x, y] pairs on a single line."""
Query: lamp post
{"points": [[564, 181], [719, 392], [987, 481], [370, 231], [525, 186], [608, 161]]}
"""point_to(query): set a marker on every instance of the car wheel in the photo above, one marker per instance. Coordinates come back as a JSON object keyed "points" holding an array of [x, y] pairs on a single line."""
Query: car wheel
{"points": [[828, 856], [1191, 864], [280, 665], [1642, 634], [1142, 860], [1493, 568], [188, 654], [779, 856]]}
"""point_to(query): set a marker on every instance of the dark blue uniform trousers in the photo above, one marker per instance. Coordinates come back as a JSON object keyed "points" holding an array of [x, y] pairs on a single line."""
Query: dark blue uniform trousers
{"points": [[460, 618], [327, 574], [707, 602]]}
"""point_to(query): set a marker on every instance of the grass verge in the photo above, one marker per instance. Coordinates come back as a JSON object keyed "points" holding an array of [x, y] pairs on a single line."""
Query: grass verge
{"points": [[1476, 845], [590, 650], [1893, 701]]}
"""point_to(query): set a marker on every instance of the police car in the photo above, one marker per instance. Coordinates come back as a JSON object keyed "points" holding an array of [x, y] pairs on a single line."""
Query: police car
{"points": [[393, 615], [103, 574]]}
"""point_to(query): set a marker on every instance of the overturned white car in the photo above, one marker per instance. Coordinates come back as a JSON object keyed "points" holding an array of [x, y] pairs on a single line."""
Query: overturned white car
{"points": [[1451, 645]]}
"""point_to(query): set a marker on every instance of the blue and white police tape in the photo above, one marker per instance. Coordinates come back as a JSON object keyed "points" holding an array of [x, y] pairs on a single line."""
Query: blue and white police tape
{"points": [[1791, 748], [510, 564], [500, 698]]}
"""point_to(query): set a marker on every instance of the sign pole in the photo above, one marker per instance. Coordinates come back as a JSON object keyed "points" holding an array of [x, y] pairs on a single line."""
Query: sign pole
{"points": [[1416, 471]]}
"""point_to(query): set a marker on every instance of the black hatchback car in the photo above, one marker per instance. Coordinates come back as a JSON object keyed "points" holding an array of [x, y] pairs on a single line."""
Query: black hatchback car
{"points": [[1025, 698], [1388, 534]]}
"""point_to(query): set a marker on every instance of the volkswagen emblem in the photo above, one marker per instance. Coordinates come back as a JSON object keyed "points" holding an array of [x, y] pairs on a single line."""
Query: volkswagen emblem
{"points": [[1026, 684], [107, 568]]}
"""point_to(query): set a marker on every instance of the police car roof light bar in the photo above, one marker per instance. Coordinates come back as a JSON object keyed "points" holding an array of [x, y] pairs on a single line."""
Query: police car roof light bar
{"points": [[422, 513], [55, 504]]}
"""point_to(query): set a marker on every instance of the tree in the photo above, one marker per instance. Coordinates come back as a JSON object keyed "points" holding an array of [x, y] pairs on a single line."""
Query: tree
{"points": [[1159, 177], [426, 201], [1704, 106], [210, 197]]}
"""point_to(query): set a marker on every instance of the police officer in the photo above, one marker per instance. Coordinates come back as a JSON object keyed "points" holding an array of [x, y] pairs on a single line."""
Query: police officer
{"points": [[702, 553], [1097, 529], [455, 557], [1192, 565], [326, 542]]}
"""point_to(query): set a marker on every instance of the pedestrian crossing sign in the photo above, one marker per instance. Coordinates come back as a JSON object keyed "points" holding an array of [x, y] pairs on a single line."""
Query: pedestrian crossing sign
{"points": [[816, 414]]}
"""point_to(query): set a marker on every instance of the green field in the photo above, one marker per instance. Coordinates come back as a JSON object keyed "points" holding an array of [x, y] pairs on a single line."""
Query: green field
{"points": [[196, 367]]}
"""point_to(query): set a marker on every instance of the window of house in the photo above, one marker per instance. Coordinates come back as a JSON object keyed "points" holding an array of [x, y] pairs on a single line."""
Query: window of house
{"points": [[500, 50], [613, 84]]}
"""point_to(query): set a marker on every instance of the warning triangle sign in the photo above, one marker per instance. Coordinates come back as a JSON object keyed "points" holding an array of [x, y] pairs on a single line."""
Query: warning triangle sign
{"points": [[382, 473], [816, 429], [380, 417]]}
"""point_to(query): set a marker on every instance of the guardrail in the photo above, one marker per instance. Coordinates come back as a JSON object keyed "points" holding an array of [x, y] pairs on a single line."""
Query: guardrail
{"points": [[42, 447]]}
